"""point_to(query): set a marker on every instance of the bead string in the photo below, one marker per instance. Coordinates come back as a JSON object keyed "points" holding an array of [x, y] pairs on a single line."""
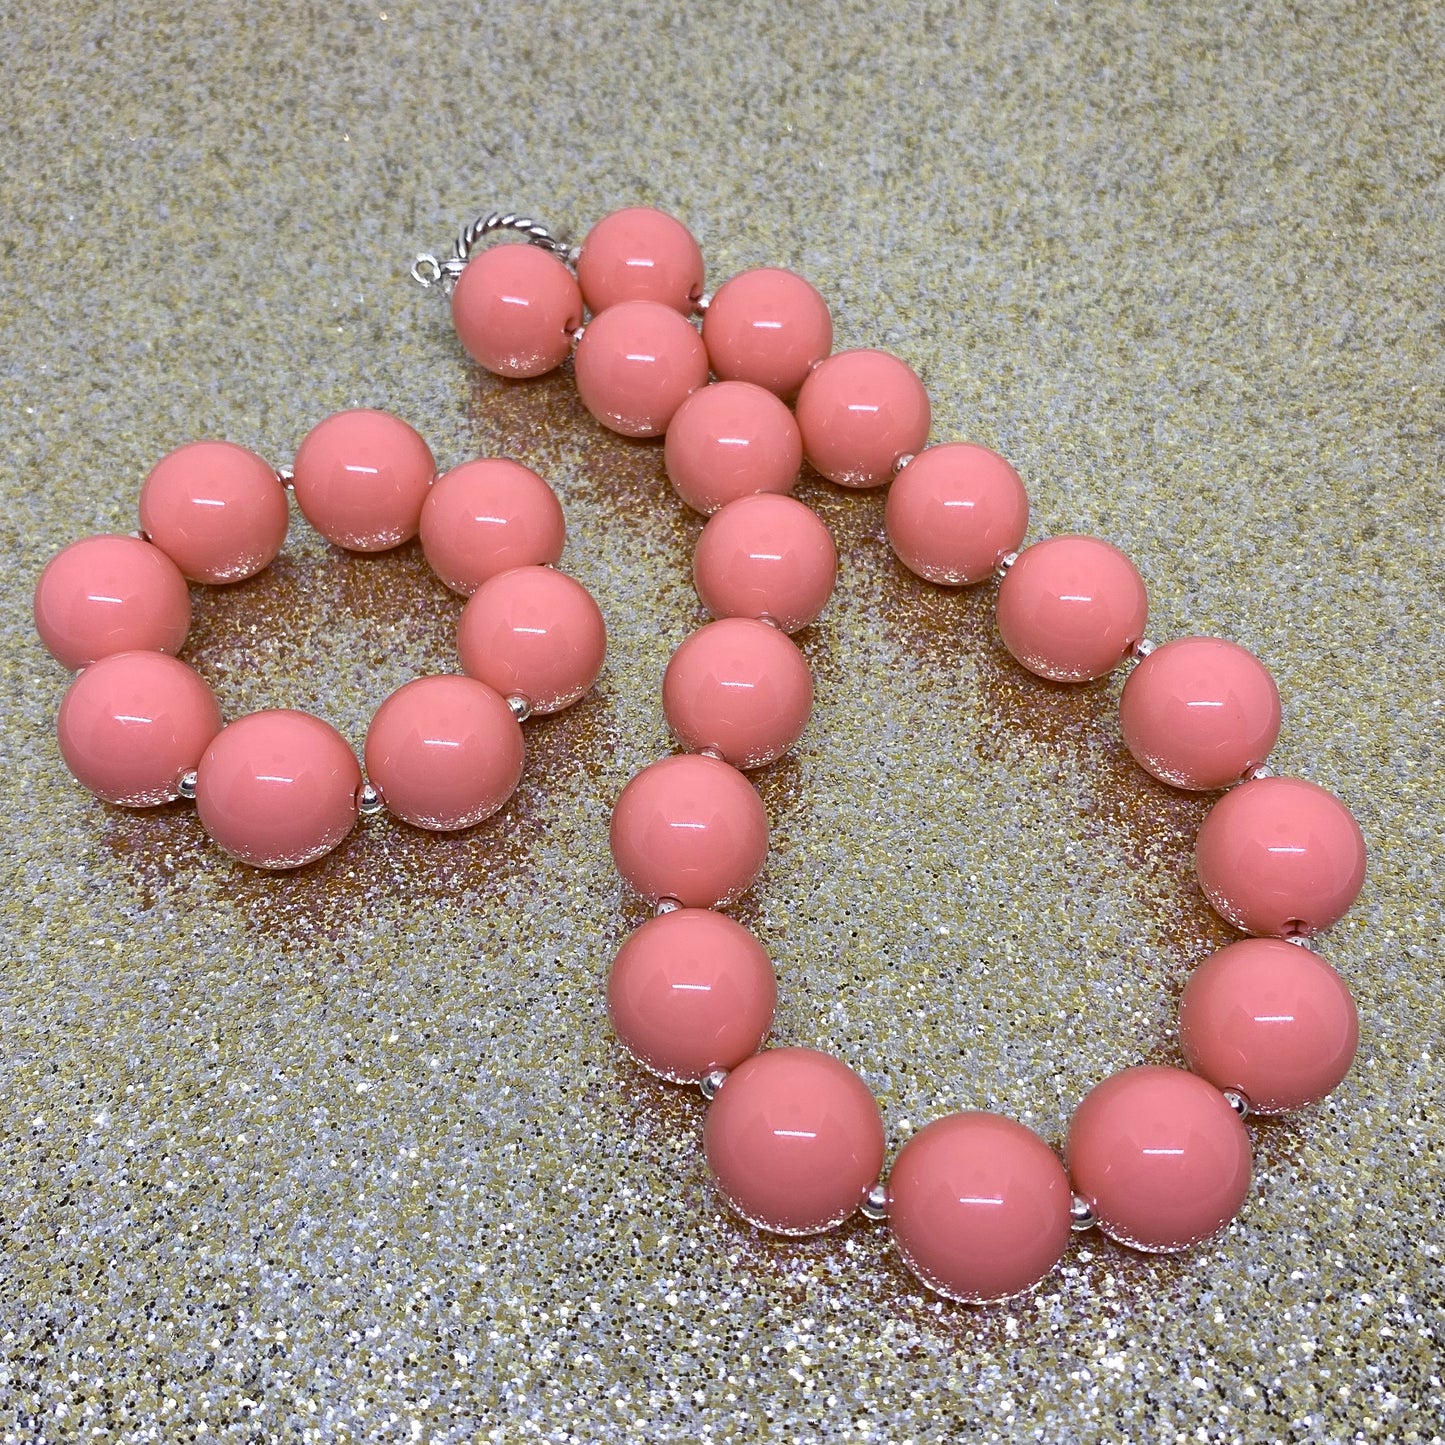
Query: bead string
{"points": [[280, 788], [979, 1207]]}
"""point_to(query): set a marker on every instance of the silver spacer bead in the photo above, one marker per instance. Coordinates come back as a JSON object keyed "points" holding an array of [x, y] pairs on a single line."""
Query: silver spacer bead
{"points": [[702, 302], [1237, 1100], [1081, 1217], [710, 752], [577, 337], [902, 462], [666, 905], [521, 709], [709, 1084], [1262, 771], [368, 800], [286, 475], [186, 787], [1301, 940], [573, 256], [1141, 649], [1004, 563], [875, 1202]]}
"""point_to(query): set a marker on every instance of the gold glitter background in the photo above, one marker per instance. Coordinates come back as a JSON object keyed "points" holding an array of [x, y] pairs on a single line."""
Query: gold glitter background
{"points": [[350, 1154]]}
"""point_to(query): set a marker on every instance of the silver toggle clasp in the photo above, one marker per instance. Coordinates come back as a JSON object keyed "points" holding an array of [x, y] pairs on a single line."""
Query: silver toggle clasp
{"points": [[428, 271]]}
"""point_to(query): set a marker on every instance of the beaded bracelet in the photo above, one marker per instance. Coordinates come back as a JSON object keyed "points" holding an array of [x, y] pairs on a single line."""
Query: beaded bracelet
{"points": [[280, 788], [979, 1207]]}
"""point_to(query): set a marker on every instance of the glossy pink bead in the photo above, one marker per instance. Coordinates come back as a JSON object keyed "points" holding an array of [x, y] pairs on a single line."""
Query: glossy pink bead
{"points": [[769, 327], [730, 440], [793, 1140], [1161, 1158], [766, 556], [954, 511], [361, 478], [278, 789], [739, 687], [691, 991], [1200, 713], [689, 828], [1280, 856], [533, 633], [635, 366], [444, 752], [979, 1207], [640, 254], [216, 510], [1270, 1019], [110, 594], [515, 308], [486, 517], [1072, 608], [860, 412], [133, 724]]}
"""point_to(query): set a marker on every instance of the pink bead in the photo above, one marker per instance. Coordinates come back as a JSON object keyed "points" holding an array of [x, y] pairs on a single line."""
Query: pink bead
{"points": [[766, 556], [794, 1141], [729, 440], [533, 633], [1199, 713], [739, 687], [486, 517], [361, 478], [691, 991], [979, 1207], [689, 828], [1072, 608], [769, 327], [109, 594], [278, 789], [860, 412], [1280, 856], [133, 724], [1270, 1019], [216, 510], [636, 364], [515, 308], [1161, 1158], [954, 511], [640, 254], [444, 752]]}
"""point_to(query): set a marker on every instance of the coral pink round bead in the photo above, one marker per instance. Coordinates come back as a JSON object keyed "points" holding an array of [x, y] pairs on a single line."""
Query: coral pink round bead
{"points": [[689, 828], [691, 991], [1072, 608], [860, 412], [769, 327], [533, 633], [277, 789], [954, 511], [740, 688], [133, 724], [979, 1207], [1161, 1158], [216, 510], [361, 478], [486, 517], [766, 556], [729, 440], [110, 594], [793, 1140], [635, 366], [1280, 856], [1200, 713], [515, 308], [1270, 1019], [444, 752], [640, 254]]}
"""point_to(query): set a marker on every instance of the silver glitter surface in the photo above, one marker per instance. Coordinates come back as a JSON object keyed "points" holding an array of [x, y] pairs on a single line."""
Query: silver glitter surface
{"points": [[350, 1153]]}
